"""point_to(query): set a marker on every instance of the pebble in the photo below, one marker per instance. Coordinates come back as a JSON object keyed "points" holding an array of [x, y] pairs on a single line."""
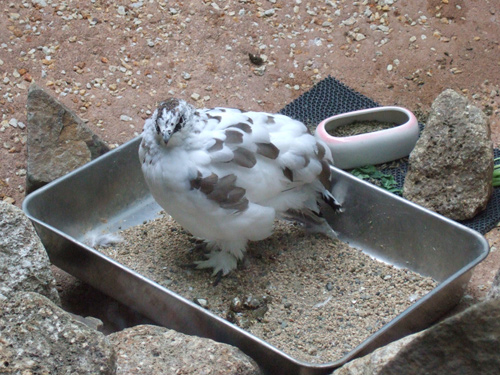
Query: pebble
{"points": [[195, 96], [13, 122], [186, 76], [125, 118], [121, 10], [349, 22], [260, 70], [389, 67], [9, 200], [269, 12], [359, 37], [41, 3], [252, 302], [201, 302], [236, 305]]}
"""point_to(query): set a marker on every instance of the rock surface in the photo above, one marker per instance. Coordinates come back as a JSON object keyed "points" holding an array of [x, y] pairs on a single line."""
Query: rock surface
{"points": [[153, 350], [37, 337], [373, 363], [467, 343], [451, 167], [494, 291], [58, 140], [24, 264]]}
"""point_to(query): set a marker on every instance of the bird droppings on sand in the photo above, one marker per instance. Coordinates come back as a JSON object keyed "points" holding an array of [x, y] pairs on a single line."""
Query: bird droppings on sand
{"points": [[312, 297]]}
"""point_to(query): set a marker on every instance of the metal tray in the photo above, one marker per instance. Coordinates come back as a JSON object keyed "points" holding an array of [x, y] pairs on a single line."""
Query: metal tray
{"points": [[110, 193]]}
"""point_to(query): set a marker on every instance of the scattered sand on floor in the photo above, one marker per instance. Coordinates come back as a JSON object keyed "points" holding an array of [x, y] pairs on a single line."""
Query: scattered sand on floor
{"points": [[313, 298]]}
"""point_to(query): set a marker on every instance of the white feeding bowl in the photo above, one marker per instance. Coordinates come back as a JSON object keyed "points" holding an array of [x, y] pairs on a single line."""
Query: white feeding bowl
{"points": [[375, 147]]}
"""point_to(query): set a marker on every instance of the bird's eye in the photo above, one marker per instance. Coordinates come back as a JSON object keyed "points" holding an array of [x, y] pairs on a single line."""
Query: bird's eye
{"points": [[179, 125]]}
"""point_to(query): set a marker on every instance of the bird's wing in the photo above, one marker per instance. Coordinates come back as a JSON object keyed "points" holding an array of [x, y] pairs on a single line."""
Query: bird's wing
{"points": [[268, 154]]}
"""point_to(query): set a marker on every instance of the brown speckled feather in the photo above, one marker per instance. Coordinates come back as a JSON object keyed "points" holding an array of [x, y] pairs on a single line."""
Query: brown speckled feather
{"points": [[234, 136], [244, 157], [268, 150], [242, 126], [217, 146], [227, 194]]}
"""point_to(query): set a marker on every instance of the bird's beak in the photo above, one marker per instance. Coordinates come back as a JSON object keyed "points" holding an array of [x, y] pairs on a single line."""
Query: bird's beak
{"points": [[165, 136]]}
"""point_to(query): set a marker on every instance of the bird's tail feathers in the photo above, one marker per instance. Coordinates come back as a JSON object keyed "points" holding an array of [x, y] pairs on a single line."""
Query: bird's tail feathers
{"points": [[310, 220], [329, 199]]}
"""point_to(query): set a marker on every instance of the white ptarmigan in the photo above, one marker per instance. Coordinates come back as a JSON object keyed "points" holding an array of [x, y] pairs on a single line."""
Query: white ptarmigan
{"points": [[225, 175]]}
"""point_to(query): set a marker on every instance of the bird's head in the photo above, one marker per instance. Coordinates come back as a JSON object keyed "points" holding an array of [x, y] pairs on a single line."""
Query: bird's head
{"points": [[171, 116]]}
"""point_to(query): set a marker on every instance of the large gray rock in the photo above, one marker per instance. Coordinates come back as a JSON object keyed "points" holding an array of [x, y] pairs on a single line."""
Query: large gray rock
{"points": [[24, 264], [152, 350], [58, 140], [451, 167], [37, 337], [467, 344]]}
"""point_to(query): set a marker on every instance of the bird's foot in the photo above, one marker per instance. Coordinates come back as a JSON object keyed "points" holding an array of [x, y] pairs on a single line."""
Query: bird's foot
{"points": [[221, 262]]}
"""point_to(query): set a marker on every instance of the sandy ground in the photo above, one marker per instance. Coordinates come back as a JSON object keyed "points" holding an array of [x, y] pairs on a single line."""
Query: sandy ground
{"points": [[312, 297], [111, 61]]}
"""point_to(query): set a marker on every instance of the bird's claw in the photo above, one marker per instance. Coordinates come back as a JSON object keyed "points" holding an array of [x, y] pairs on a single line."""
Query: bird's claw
{"points": [[189, 265], [218, 275], [199, 246], [218, 278]]}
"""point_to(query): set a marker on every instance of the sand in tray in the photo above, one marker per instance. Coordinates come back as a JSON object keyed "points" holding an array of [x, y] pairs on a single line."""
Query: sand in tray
{"points": [[313, 298]]}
